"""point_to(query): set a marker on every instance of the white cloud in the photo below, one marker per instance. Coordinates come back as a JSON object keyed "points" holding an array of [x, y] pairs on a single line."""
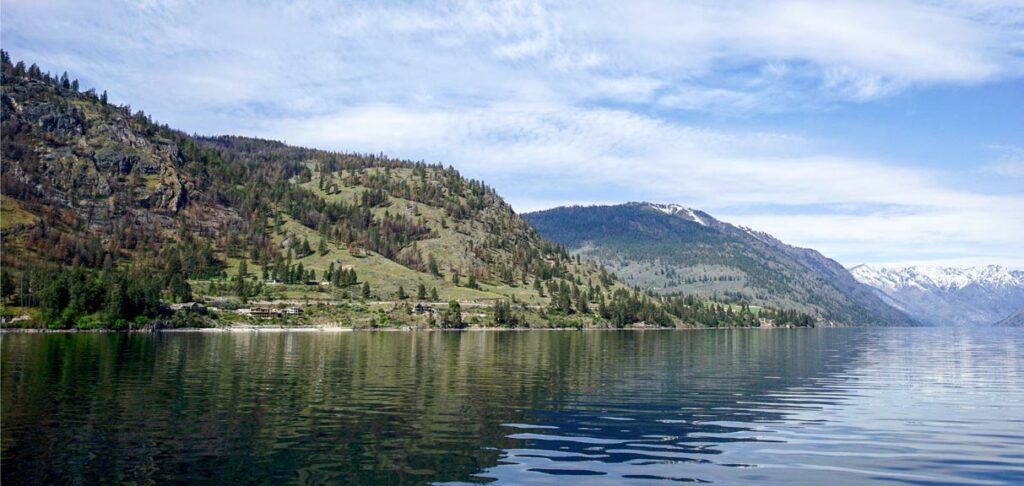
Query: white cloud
{"points": [[195, 52], [1008, 168], [559, 102], [984, 232], [1010, 161], [541, 155]]}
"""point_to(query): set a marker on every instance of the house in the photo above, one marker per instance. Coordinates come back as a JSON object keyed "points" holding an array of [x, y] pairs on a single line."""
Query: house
{"points": [[264, 312], [292, 311], [422, 309]]}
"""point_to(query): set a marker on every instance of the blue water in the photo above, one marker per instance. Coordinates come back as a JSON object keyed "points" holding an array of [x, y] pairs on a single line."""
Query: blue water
{"points": [[801, 406]]}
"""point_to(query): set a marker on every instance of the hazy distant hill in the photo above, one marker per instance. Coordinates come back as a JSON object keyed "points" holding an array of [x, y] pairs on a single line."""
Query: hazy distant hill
{"points": [[949, 296], [1015, 320], [671, 249]]}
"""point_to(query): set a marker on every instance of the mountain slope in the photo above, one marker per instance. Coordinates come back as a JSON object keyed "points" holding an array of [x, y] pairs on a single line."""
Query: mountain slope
{"points": [[105, 213], [674, 249], [1015, 320], [948, 296]]}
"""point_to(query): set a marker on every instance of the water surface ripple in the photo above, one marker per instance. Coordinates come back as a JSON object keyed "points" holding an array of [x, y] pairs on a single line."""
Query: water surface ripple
{"points": [[809, 406]]}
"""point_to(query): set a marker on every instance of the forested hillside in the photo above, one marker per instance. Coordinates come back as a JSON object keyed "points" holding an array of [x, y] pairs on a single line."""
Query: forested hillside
{"points": [[108, 218], [675, 250]]}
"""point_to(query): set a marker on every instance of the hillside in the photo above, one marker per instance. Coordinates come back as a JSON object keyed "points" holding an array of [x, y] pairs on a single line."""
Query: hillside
{"points": [[945, 296], [112, 220], [672, 249], [108, 216], [1015, 320]]}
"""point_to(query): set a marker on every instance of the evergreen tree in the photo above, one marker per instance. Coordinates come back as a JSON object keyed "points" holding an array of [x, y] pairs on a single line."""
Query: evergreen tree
{"points": [[452, 318], [6, 280], [432, 265], [179, 288], [581, 303], [241, 286], [503, 315]]}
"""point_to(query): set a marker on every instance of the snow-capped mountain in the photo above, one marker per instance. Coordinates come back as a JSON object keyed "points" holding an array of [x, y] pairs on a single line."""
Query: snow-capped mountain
{"points": [[948, 295]]}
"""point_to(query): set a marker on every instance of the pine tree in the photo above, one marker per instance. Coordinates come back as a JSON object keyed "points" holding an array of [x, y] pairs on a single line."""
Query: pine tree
{"points": [[6, 280], [366, 290], [421, 292], [503, 315], [179, 288], [581, 303], [452, 318], [241, 286], [432, 266]]}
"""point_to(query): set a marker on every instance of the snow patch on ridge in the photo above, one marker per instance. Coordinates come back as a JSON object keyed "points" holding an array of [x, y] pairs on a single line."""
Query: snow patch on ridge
{"points": [[677, 210], [695, 218]]}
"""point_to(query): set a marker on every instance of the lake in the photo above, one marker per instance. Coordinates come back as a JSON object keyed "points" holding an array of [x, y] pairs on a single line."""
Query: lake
{"points": [[800, 406]]}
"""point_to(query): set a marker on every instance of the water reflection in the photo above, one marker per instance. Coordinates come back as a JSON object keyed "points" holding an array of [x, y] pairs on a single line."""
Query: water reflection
{"points": [[842, 406], [909, 406]]}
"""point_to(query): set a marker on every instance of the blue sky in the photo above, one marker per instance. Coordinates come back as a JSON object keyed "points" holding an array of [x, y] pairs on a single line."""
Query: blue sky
{"points": [[888, 132]]}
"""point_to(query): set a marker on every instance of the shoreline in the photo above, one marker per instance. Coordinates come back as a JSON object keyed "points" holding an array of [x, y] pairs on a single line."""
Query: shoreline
{"points": [[332, 329]]}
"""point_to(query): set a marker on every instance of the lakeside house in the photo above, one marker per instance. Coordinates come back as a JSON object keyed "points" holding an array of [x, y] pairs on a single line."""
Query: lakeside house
{"points": [[264, 312], [268, 312]]}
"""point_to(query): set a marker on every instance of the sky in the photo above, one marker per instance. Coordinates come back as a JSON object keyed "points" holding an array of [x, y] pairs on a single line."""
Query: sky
{"points": [[881, 132]]}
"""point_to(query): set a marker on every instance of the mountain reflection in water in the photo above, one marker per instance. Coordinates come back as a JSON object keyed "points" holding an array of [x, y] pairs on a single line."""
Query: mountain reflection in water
{"points": [[846, 406]]}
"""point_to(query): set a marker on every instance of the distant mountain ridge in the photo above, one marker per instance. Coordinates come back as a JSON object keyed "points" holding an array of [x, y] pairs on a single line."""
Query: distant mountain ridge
{"points": [[1016, 320], [948, 295], [675, 249]]}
